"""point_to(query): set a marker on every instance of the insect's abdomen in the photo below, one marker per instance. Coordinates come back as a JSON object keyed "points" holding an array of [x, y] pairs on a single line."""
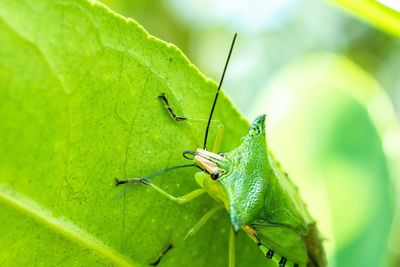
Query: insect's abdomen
{"points": [[287, 248], [269, 251], [282, 261]]}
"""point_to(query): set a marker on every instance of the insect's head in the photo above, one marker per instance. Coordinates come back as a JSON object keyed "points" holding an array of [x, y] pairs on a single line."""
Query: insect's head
{"points": [[213, 163]]}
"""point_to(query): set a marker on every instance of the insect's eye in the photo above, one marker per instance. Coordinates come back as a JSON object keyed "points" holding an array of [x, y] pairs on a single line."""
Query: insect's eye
{"points": [[215, 175]]}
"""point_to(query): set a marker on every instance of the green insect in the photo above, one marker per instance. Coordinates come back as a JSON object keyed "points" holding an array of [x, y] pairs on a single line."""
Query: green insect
{"points": [[259, 197]]}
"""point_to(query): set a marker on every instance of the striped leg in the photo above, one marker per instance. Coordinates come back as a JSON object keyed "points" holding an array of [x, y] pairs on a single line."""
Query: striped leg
{"points": [[170, 110], [220, 126]]}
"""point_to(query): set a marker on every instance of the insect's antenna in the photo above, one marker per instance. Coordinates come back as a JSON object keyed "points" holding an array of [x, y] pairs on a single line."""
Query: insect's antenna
{"points": [[216, 95], [157, 173]]}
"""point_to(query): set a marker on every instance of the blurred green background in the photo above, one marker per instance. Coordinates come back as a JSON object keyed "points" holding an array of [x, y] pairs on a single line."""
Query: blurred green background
{"points": [[328, 76]]}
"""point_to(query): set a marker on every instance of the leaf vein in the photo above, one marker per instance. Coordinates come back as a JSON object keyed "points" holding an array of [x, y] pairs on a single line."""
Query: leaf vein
{"points": [[60, 225]]}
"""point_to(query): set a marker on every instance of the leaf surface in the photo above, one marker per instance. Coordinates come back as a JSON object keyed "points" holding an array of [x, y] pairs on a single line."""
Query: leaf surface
{"points": [[79, 108]]}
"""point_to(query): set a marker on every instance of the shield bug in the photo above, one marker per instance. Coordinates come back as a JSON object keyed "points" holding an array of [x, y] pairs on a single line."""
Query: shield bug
{"points": [[257, 194]]}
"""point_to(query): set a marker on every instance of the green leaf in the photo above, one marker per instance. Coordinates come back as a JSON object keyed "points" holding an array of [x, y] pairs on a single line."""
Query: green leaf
{"points": [[79, 108], [380, 15]]}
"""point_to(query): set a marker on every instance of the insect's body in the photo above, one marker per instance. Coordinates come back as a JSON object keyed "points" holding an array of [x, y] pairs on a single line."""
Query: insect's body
{"points": [[257, 194], [261, 199]]}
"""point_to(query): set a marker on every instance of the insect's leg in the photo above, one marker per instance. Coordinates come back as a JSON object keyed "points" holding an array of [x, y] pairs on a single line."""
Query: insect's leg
{"points": [[218, 138], [169, 108], [232, 248], [202, 221], [180, 200], [162, 254], [176, 117], [146, 181]]}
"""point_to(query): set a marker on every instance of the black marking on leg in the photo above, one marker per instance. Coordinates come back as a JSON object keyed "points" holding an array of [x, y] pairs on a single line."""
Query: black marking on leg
{"points": [[144, 181], [282, 262], [269, 254], [119, 182], [156, 262], [259, 243], [170, 110], [162, 254], [296, 265]]}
